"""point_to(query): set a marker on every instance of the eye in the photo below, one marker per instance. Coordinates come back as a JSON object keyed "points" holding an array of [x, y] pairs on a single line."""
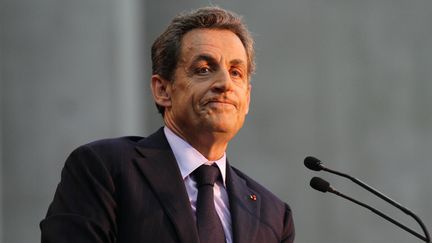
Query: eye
{"points": [[236, 73], [202, 70]]}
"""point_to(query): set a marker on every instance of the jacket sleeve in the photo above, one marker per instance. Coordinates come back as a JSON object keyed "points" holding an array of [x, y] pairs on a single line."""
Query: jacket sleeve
{"points": [[84, 205], [288, 231]]}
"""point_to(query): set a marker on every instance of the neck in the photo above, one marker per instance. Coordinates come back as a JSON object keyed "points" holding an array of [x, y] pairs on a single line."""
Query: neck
{"points": [[210, 145], [212, 149]]}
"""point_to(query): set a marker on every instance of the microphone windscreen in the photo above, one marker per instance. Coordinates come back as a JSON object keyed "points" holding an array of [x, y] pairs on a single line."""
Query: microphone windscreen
{"points": [[313, 163], [319, 184]]}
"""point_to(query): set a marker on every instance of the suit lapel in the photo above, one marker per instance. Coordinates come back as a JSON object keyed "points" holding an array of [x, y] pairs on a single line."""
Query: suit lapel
{"points": [[160, 168], [244, 206]]}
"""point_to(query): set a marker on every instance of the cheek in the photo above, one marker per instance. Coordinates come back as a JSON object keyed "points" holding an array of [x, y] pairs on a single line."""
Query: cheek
{"points": [[180, 90], [187, 98], [247, 103], [244, 96], [196, 91]]}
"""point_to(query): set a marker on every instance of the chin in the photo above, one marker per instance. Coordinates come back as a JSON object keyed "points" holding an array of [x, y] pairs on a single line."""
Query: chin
{"points": [[224, 126], [223, 122]]}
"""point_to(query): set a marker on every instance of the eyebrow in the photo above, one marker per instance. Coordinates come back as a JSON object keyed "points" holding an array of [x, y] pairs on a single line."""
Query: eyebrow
{"points": [[211, 60], [238, 62], [204, 57]]}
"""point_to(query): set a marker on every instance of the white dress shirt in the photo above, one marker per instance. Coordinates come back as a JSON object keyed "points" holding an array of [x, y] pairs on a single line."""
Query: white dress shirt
{"points": [[188, 160]]}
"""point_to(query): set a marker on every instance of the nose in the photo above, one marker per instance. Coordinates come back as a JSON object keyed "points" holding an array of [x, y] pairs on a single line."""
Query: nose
{"points": [[222, 82]]}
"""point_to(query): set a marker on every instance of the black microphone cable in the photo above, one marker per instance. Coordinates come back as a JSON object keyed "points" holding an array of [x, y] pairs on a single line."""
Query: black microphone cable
{"points": [[324, 186], [315, 164]]}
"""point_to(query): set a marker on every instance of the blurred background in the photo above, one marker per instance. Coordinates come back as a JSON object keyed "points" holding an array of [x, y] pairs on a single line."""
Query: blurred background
{"points": [[346, 81]]}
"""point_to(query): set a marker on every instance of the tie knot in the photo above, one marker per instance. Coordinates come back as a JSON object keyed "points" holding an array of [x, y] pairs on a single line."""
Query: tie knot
{"points": [[206, 175]]}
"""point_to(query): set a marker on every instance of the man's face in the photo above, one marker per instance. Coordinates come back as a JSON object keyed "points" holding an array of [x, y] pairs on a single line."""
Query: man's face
{"points": [[210, 91]]}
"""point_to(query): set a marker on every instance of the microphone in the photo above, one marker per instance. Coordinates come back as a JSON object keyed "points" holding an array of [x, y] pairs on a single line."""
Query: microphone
{"points": [[313, 163], [323, 186]]}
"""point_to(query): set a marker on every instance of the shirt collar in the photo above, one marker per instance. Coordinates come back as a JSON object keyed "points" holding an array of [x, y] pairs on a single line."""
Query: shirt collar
{"points": [[188, 158]]}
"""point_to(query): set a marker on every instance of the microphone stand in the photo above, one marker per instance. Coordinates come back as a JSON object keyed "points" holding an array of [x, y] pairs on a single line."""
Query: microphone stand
{"points": [[385, 198]]}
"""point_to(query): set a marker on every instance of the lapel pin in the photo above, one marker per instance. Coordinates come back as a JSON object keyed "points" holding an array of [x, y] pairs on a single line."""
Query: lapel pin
{"points": [[253, 197]]}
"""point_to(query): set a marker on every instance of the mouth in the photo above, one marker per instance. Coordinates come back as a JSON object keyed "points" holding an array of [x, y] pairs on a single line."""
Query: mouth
{"points": [[220, 103]]}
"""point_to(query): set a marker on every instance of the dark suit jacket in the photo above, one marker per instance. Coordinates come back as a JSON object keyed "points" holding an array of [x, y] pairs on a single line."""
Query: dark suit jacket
{"points": [[130, 190]]}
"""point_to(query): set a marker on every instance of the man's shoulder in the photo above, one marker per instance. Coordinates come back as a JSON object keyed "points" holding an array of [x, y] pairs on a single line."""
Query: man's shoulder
{"points": [[106, 151], [109, 146], [125, 142], [108, 143], [117, 150]]}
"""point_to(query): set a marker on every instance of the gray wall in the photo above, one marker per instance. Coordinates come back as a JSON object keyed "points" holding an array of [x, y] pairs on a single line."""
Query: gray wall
{"points": [[71, 73], [346, 81]]}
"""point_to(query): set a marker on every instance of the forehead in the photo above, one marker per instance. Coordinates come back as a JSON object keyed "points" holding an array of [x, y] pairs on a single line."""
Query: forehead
{"points": [[214, 42]]}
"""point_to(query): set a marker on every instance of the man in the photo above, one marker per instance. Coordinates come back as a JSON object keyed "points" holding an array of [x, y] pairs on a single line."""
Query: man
{"points": [[136, 189]]}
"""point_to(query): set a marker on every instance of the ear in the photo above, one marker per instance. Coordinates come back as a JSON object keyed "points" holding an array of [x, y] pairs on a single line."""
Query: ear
{"points": [[161, 90], [248, 94]]}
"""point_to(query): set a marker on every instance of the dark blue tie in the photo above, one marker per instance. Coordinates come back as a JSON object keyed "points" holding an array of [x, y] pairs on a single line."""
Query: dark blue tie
{"points": [[210, 228]]}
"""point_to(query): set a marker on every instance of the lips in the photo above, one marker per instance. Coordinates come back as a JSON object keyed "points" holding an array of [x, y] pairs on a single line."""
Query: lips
{"points": [[218, 101]]}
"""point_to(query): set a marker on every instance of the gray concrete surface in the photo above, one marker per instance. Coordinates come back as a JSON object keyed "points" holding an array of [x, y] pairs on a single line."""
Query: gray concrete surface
{"points": [[347, 81]]}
